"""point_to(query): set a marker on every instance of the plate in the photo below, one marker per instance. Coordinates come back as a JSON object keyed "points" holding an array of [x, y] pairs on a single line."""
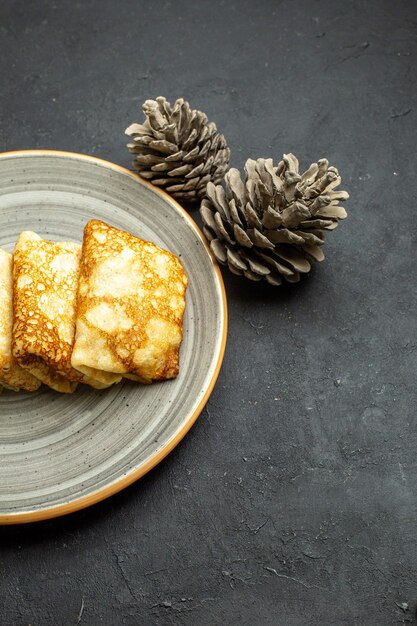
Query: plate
{"points": [[60, 453]]}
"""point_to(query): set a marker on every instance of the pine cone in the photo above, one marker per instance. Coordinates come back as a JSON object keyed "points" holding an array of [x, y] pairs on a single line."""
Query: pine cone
{"points": [[176, 148], [271, 226]]}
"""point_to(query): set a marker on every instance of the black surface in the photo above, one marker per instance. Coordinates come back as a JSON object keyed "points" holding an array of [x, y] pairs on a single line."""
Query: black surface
{"points": [[292, 501]]}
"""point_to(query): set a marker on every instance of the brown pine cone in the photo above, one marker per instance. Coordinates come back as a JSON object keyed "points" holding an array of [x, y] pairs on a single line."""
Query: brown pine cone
{"points": [[271, 226], [178, 149]]}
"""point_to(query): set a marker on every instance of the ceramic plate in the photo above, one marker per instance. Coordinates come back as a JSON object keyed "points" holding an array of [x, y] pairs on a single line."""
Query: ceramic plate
{"points": [[60, 453]]}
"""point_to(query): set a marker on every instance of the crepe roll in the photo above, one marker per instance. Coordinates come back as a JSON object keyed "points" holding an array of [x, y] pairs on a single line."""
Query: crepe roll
{"points": [[12, 376], [45, 282], [130, 306]]}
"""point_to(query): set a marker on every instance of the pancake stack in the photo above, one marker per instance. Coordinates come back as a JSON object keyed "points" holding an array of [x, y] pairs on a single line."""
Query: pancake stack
{"points": [[109, 309]]}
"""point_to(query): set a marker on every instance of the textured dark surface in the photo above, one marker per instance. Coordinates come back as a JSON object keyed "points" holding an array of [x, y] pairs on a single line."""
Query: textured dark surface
{"points": [[292, 501]]}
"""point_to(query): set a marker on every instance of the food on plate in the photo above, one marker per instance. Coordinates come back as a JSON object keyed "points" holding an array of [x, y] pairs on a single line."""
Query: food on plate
{"points": [[109, 309], [130, 306], [45, 282], [12, 376]]}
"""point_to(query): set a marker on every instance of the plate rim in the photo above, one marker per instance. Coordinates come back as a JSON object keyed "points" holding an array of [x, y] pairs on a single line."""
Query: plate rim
{"points": [[159, 455]]}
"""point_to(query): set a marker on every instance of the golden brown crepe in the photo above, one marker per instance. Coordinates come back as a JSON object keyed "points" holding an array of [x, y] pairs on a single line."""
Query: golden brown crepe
{"points": [[130, 306], [45, 288], [12, 376]]}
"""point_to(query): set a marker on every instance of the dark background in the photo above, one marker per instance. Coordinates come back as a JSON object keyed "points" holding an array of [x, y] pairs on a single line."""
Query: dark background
{"points": [[292, 501]]}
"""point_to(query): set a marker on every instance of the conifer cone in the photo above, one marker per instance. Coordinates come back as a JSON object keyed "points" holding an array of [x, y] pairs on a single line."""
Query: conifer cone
{"points": [[271, 226], [178, 149]]}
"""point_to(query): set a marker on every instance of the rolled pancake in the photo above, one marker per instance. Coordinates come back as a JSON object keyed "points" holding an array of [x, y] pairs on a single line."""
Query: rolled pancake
{"points": [[130, 306], [12, 376], [45, 282]]}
